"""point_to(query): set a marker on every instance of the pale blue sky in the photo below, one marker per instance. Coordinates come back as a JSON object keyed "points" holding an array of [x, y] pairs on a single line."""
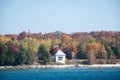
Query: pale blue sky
{"points": [[59, 15]]}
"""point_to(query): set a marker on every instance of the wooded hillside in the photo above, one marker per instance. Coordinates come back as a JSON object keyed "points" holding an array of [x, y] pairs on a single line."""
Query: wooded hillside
{"points": [[24, 47]]}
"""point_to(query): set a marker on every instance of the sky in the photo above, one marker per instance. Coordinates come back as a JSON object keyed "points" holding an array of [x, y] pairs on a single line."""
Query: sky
{"points": [[68, 16]]}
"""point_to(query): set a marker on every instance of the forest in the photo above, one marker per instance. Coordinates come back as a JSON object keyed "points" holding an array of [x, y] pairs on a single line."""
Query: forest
{"points": [[28, 48]]}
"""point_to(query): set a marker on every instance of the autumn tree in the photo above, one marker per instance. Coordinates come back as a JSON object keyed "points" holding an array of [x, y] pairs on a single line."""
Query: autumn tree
{"points": [[55, 41], [69, 46], [91, 50], [4, 39], [102, 53], [22, 35], [47, 43], [23, 48]]}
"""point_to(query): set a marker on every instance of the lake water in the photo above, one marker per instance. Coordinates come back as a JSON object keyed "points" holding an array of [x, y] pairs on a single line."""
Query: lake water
{"points": [[61, 74]]}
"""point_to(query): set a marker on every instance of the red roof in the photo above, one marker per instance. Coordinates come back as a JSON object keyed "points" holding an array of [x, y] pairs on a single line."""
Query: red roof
{"points": [[53, 51]]}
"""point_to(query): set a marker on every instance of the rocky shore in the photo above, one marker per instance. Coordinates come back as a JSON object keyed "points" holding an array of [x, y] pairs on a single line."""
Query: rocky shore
{"points": [[59, 66]]}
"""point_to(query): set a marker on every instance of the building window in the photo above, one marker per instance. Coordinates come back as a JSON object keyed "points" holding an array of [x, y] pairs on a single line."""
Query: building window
{"points": [[60, 58]]}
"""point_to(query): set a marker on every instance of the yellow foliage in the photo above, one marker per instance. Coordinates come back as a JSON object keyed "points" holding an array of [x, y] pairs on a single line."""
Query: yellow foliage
{"points": [[94, 49], [4, 39], [47, 43], [66, 37]]}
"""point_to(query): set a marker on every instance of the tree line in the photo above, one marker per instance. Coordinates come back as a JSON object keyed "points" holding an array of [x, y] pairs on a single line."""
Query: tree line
{"points": [[26, 48]]}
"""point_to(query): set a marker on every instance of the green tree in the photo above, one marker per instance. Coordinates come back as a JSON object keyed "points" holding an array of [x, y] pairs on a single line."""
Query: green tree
{"points": [[116, 50], [80, 53], [29, 56], [3, 51], [111, 56], [22, 55], [9, 58], [43, 54], [11, 53], [109, 52], [25, 55]]}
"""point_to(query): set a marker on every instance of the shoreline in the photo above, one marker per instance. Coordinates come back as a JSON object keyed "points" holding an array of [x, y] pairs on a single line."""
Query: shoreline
{"points": [[60, 66]]}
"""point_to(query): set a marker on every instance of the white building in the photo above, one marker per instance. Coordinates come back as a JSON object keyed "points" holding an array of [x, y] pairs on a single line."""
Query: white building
{"points": [[58, 57]]}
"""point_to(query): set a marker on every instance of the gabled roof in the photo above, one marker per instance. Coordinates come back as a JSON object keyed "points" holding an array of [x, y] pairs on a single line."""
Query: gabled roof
{"points": [[53, 51], [60, 53]]}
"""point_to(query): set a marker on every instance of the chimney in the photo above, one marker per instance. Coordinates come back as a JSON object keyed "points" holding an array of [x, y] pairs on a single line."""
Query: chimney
{"points": [[56, 46]]}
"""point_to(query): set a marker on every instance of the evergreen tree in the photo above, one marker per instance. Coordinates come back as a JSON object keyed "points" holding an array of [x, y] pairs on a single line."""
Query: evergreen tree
{"points": [[80, 53], [30, 56], [43, 54], [3, 51], [22, 55], [9, 58], [116, 51], [109, 52]]}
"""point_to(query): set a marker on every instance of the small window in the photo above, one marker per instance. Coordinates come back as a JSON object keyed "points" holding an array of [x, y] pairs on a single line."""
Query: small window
{"points": [[60, 58]]}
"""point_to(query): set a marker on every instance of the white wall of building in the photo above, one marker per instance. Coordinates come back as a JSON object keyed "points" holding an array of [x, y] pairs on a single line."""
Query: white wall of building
{"points": [[58, 57], [60, 60]]}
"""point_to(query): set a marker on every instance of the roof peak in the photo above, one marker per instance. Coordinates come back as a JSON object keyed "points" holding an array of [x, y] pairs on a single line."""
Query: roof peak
{"points": [[59, 52]]}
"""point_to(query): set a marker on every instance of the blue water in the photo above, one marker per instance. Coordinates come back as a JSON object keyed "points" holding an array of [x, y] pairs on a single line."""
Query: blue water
{"points": [[61, 74]]}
